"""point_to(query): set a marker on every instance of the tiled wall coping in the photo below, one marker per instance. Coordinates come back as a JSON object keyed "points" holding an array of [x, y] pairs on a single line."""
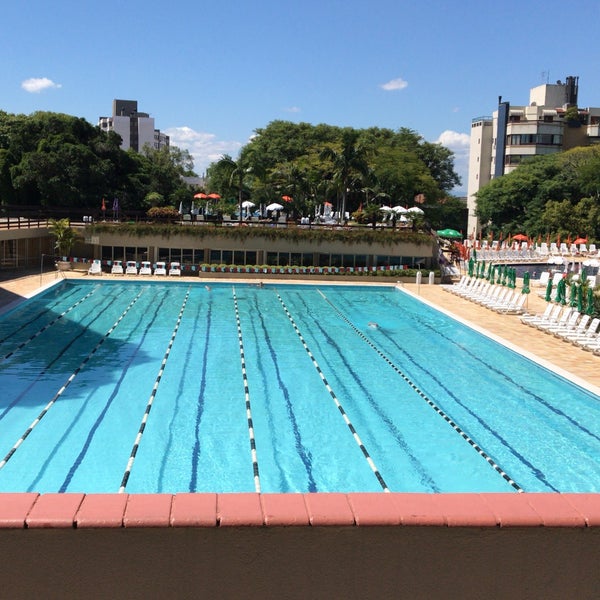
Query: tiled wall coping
{"points": [[31, 510]]}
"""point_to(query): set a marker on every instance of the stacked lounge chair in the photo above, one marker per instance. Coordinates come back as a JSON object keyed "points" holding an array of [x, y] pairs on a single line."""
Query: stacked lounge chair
{"points": [[95, 268], [590, 333], [117, 268], [145, 268]]}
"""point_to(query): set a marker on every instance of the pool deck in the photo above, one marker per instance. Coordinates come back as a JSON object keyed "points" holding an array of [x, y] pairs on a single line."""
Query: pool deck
{"points": [[477, 513]]}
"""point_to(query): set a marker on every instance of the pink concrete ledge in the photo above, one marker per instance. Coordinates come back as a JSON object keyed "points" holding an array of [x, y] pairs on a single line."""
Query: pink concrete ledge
{"points": [[14, 509], [30, 510], [148, 510], [54, 510]]}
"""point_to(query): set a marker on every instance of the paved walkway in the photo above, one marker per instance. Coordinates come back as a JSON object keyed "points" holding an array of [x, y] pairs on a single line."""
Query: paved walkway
{"points": [[556, 353]]}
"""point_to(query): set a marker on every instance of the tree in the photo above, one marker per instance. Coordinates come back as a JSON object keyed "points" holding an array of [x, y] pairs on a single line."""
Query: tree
{"points": [[228, 175], [346, 162]]}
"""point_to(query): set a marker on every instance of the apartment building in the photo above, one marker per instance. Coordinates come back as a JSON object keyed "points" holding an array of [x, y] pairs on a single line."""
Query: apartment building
{"points": [[551, 122], [135, 128]]}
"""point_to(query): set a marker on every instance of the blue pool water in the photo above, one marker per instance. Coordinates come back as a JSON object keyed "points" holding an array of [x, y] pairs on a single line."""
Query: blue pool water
{"points": [[152, 387]]}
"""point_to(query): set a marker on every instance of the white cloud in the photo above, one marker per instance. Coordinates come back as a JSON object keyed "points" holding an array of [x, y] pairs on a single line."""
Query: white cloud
{"points": [[205, 148], [459, 143], [293, 109], [35, 85], [394, 84]]}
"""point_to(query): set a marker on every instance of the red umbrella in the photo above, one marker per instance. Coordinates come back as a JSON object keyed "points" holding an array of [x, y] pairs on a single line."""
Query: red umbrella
{"points": [[520, 237], [580, 241], [200, 195], [286, 198], [215, 196], [103, 205]]}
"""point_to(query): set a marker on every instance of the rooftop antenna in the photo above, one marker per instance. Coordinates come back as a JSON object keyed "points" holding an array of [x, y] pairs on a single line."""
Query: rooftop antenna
{"points": [[546, 77]]}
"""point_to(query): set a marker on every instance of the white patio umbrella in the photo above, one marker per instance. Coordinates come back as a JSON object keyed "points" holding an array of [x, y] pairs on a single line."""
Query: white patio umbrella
{"points": [[248, 204], [386, 209], [274, 206], [399, 210], [416, 210]]}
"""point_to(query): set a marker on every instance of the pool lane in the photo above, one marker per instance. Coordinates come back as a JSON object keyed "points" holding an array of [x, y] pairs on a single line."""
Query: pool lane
{"points": [[389, 410]]}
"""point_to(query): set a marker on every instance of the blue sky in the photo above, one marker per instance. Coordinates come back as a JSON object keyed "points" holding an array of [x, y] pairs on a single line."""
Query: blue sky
{"points": [[212, 73]]}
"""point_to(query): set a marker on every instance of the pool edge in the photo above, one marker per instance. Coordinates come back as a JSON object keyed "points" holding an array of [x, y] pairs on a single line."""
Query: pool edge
{"points": [[129, 511]]}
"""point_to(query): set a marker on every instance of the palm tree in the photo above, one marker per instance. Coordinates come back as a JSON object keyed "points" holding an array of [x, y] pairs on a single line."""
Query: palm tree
{"points": [[237, 172], [347, 162], [64, 235]]}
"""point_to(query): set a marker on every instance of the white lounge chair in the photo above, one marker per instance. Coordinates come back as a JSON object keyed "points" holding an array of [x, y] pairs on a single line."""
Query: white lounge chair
{"points": [[161, 268], [514, 307], [543, 280], [568, 324], [579, 329], [131, 268], [587, 336], [117, 268], [145, 268], [95, 268], [559, 317], [175, 268]]}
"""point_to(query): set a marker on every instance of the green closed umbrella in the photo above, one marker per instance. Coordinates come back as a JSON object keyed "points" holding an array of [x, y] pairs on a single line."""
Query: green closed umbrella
{"points": [[471, 265], [580, 298], [549, 291], [561, 292], [526, 289], [493, 275], [589, 309], [573, 295]]}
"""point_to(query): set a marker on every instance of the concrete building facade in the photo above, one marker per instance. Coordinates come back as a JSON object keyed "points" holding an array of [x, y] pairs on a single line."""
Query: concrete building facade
{"points": [[135, 128], [551, 122]]}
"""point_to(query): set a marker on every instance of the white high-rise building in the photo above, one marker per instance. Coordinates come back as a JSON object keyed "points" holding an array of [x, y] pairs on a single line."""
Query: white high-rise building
{"points": [[135, 128], [551, 122]]}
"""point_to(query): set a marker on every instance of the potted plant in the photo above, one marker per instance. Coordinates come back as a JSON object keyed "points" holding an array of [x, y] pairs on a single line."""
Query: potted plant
{"points": [[65, 238]]}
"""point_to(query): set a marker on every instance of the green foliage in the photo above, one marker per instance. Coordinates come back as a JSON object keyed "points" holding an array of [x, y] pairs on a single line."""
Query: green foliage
{"points": [[51, 159], [65, 237], [555, 194], [163, 213], [345, 166], [387, 236]]}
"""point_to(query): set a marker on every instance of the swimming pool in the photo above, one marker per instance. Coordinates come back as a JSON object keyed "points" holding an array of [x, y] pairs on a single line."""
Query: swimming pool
{"points": [[173, 387]]}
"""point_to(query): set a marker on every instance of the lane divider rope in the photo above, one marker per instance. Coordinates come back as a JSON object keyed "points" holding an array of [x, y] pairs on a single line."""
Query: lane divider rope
{"points": [[335, 399], [247, 396], [140, 433], [430, 402], [67, 383], [47, 326]]}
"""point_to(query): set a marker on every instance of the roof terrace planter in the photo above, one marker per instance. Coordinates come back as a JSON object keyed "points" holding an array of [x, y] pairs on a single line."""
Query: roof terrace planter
{"points": [[352, 235]]}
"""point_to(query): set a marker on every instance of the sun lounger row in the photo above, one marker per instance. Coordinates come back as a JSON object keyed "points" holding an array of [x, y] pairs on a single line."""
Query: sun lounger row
{"points": [[131, 268], [566, 323], [499, 298]]}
